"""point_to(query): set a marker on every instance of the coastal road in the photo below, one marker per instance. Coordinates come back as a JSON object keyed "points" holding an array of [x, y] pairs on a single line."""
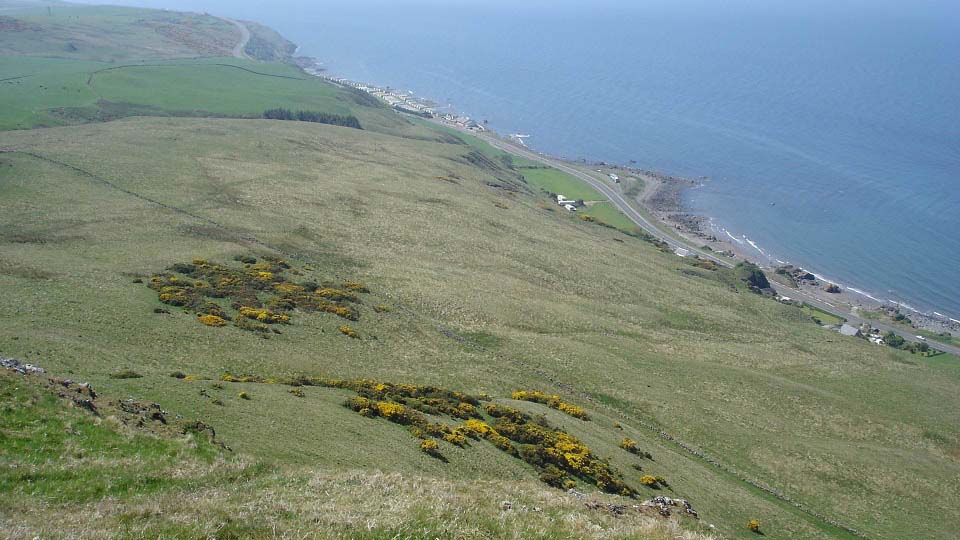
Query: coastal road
{"points": [[238, 49], [609, 193], [645, 224]]}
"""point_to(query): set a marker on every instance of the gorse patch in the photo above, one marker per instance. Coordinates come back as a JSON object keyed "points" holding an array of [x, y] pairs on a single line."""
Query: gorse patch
{"points": [[552, 401], [560, 458], [255, 296]]}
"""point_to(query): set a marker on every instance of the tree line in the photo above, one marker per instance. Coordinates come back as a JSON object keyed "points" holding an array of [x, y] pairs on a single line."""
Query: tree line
{"points": [[312, 116]]}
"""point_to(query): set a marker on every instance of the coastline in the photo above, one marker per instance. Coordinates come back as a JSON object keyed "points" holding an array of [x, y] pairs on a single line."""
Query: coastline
{"points": [[662, 198]]}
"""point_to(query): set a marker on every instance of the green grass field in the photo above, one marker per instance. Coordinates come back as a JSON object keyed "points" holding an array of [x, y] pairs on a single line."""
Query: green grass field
{"points": [[561, 183], [821, 315], [478, 284], [111, 34], [49, 92], [609, 214]]}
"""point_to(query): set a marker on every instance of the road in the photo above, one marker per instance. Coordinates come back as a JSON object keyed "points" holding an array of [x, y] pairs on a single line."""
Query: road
{"points": [[238, 49], [645, 224]]}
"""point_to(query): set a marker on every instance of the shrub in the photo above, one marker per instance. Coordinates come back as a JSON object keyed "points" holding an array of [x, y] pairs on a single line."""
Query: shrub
{"points": [[381, 308], [754, 525], [456, 438], [178, 375], [348, 331], [217, 402], [126, 374], [553, 476], [251, 325], [243, 395], [355, 286], [552, 401], [630, 446], [246, 259], [430, 447], [228, 377], [649, 481], [264, 315], [297, 392], [335, 294], [212, 320]]}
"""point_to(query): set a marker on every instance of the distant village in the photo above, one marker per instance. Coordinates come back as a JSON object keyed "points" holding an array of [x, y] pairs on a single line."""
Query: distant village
{"points": [[402, 101]]}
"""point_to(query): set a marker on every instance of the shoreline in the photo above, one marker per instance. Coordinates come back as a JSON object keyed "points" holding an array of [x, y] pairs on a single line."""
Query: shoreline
{"points": [[662, 198], [665, 202]]}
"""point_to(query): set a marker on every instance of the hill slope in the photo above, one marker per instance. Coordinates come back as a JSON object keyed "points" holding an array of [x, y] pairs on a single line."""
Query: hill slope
{"points": [[552, 303], [410, 256]]}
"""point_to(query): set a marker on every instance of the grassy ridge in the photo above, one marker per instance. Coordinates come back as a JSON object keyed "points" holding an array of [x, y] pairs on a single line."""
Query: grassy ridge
{"points": [[112, 34]]}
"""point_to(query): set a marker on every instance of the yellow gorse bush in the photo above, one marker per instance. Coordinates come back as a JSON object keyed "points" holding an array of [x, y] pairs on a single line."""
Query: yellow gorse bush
{"points": [[348, 331], [551, 400], [260, 291], [629, 445], [212, 320], [264, 315]]}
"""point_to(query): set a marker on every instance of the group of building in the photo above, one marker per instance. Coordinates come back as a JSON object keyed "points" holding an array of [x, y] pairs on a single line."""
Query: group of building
{"points": [[865, 331], [403, 101], [570, 204]]}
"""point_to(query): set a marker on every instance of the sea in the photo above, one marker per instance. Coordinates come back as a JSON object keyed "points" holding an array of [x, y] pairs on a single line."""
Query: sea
{"points": [[825, 134]]}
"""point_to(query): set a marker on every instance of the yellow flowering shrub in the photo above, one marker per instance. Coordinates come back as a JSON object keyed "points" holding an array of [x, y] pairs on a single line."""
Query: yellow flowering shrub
{"points": [[212, 320], [430, 447], [348, 331], [649, 481], [754, 525], [478, 427], [335, 294], [264, 315], [355, 286], [456, 438], [551, 400], [288, 288], [629, 445]]}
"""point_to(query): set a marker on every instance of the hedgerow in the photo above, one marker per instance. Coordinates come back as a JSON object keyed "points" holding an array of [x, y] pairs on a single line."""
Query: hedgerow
{"points": [[259, 293]]}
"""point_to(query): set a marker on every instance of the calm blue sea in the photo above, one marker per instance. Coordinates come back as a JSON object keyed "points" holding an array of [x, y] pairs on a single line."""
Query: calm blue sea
{"points": [[829, 131]]}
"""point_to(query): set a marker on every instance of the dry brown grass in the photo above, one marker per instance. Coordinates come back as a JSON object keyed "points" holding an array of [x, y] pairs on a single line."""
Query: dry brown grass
{"points": [[352, 504]]}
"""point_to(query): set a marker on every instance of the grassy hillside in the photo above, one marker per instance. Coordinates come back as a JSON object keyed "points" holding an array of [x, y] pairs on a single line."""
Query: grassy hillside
{"points": [[77, 64], [488, 289], [62, 465], [410, 256], [110, 34]]}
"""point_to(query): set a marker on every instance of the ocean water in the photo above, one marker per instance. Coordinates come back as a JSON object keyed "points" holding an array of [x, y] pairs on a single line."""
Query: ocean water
{"points": [[829, 132]]}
